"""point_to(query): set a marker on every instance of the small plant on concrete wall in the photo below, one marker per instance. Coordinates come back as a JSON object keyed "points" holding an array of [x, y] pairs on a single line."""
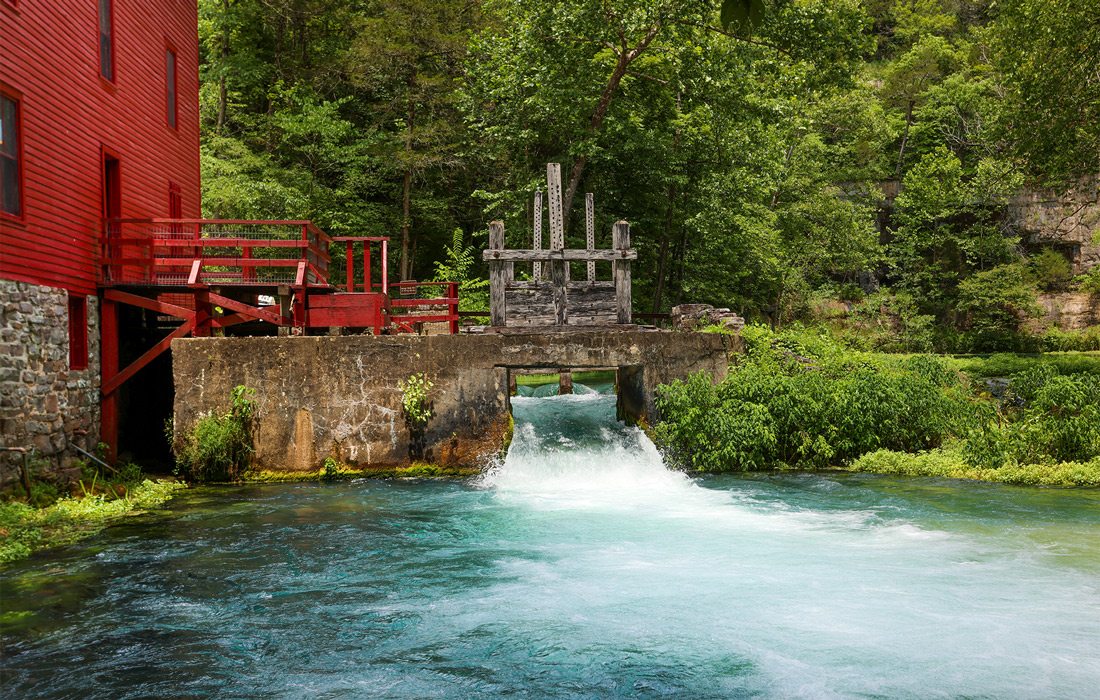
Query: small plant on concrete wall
{"points": [[219, 447], [414, 398], [418, 411]]}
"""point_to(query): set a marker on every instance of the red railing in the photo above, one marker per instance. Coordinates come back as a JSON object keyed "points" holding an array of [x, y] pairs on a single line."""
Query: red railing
{"points": [[177, 252], [368, 248], [442, 309]]}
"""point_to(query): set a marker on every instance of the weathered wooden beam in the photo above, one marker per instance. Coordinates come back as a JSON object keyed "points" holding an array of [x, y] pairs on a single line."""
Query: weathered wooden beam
{"points": [[557, 277], [590, 231], [242, 308], [553, 194], [620, 241], [498, 313], [536, 244], [569, 255], [147, 303]]}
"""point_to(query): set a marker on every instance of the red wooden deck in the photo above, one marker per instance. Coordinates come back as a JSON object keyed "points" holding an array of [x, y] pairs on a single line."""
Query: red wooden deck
{"points": [[214, 274]]}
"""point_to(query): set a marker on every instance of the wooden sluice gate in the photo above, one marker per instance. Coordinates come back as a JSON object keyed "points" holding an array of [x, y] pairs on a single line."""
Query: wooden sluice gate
{"points": [[550, 298]]}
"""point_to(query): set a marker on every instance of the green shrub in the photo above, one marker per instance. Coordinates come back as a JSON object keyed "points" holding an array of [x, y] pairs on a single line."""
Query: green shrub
{"points": [[414, 398], [1051, 270], [330, 470], [800, 399], [1060, 419], [219, 447], [1089, 282]]}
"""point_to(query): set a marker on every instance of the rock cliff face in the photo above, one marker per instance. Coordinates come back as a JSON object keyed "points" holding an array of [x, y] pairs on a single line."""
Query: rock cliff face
{"points": [[1067, 219], [1070, 310]]}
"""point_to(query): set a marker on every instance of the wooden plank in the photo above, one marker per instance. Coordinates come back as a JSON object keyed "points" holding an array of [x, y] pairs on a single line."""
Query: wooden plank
{"points": [[498, 314], [193, 276], [590, 231], [553, 194], [146, 303], [557, 276], [345, 311], [536, 244], [569, 254], [620, 240], [242, 308]]}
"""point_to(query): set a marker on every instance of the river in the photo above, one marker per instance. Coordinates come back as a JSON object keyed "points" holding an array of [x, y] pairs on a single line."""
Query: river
{"points": [[579, 567]]}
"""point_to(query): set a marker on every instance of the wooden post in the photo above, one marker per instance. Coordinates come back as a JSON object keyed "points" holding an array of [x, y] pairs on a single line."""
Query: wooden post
{"points": [[385, 267], [349, 263], [108, 363], [366, 266], [565, 382], [553, 194], [620, 242], [536, 267], [590, 231], [204, 313], [558, 280], [497, 312], [452, 307]]}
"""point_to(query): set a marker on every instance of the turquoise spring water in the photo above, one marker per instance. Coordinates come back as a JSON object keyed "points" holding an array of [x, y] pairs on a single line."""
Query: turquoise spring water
{"points": [[580, 567]]}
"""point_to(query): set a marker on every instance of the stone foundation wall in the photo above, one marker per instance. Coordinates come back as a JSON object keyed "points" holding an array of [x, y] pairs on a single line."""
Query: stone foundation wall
{"points": [[44, 404], [338, 396]]}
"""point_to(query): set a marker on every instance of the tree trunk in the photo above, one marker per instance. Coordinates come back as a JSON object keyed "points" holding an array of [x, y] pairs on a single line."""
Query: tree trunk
{"points": [[626, 57], [904, 138], [662, 256], [406, 188]]}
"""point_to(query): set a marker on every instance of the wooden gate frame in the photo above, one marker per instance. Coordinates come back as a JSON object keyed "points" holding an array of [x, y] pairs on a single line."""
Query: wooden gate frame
{"points": [[557, 257]]}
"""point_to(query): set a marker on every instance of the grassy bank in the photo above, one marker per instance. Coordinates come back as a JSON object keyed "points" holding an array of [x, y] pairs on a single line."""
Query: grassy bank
{"points": [[25, 529], [801, 399], [950, 463]]}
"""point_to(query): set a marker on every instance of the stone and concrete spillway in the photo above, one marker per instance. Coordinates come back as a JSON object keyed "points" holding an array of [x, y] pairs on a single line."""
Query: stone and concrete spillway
{"points": [[322, 396]]}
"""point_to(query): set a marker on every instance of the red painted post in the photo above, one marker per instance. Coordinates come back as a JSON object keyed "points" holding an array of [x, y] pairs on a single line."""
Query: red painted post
{"points": [[452, 307], [306, 254], [248, 270], [366, 266], [108, 362], [203, 315], [349, 263], [385, 268]]}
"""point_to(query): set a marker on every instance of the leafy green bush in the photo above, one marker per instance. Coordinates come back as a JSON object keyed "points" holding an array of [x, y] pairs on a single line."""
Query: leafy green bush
{"points": [[219, 447], [414, 398], [800, 399], [1051, 270], [1089, 282], [1060, 419]]}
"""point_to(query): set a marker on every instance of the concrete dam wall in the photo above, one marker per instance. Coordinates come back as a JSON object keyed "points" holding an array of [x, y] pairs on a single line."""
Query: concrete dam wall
{"points": [[322, 396]]}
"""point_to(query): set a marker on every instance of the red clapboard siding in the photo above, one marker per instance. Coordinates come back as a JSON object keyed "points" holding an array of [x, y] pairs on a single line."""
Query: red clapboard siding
{"points": [[69, 114]]}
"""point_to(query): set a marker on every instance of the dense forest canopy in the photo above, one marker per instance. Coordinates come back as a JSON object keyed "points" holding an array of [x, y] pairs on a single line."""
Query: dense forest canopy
{"points": [[749, 142]]}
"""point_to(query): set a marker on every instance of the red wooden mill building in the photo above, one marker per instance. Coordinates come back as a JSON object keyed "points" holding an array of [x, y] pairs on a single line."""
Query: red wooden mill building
{"points": [[104, 256]]}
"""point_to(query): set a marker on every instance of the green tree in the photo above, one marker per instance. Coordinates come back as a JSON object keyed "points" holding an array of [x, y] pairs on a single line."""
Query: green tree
{"points": [[1046, 52]]}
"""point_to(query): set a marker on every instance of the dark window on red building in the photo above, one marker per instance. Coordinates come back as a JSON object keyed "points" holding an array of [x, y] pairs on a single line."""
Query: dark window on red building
{"points": [[175, 201], [11, 156], [107, 39], [78, 332], [170, 68]]}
